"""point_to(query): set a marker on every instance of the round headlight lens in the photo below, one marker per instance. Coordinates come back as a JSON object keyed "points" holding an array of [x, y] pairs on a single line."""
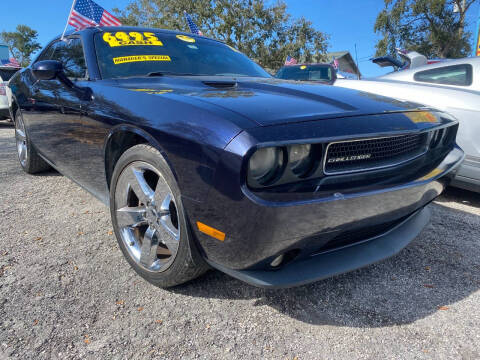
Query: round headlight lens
{"points": [[264, 164], [300, 159]]}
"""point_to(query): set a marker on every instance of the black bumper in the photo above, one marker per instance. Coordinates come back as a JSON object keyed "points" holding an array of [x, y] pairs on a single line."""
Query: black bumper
{"points": [[4, 113], [321, 266]]}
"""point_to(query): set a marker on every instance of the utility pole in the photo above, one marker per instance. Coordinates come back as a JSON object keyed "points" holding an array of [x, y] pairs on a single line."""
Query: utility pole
{"points": [[356, 60]]}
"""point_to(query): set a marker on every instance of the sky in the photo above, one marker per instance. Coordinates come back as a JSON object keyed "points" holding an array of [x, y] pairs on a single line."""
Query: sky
{"points": [[348, 22]]}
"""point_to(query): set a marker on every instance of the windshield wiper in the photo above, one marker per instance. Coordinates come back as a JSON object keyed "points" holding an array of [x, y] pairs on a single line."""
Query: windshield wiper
{"points": [[162, 73]]}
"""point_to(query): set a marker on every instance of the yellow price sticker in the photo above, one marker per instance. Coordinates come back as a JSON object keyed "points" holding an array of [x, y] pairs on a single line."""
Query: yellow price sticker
{"points": [[121, 38], [186, 38], [139, 58]]}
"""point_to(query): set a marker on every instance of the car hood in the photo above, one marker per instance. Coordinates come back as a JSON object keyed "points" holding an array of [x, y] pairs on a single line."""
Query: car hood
{"points": [[267, 101]]}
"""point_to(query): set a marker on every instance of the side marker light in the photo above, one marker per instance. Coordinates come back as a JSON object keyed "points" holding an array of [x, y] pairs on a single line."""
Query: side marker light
{"points": [[217, 234]]}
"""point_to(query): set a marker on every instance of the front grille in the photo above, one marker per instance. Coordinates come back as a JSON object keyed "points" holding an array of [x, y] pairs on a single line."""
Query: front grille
{"points": [[358, 155]]}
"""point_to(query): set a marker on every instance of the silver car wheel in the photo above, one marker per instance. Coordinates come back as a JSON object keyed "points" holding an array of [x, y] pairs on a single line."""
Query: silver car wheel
{"points": [[21, 140], [147, 217]]}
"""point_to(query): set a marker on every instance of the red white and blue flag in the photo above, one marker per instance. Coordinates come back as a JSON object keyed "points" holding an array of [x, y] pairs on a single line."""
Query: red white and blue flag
{"points": [[290, 61], [12, 62], [335, 63], [87, 13], [193, 27]]}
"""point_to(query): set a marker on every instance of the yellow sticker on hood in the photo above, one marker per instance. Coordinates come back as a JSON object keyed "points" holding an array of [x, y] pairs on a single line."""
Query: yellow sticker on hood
{"points": [[186, 38], [121, 38], [137, 58], [422, 117], [154, 91]]}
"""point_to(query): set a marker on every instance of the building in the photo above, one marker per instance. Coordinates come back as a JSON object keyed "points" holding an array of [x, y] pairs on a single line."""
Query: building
{"points": [[4, 53], [347, 66]]}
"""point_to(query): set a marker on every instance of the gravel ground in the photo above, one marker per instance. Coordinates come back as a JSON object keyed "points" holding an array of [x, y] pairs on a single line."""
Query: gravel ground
{"points": [[66, 292]]}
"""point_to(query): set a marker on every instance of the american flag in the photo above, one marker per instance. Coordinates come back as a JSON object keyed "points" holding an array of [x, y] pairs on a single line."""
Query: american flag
{"points": [[87, 13], [335, 63], [290, 61], [12, 62], [193, 27]]}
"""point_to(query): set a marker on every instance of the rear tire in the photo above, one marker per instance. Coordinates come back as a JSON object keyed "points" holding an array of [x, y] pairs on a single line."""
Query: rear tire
{"points": [[28, 157], [149, 220]]}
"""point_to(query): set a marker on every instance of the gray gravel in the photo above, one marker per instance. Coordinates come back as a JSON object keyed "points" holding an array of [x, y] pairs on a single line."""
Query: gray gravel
{"points": [[66, 291]]}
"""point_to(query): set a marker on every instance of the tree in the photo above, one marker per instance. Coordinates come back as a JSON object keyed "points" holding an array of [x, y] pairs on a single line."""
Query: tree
{"points": [[22, 43], [430, 27], [265, 33]]}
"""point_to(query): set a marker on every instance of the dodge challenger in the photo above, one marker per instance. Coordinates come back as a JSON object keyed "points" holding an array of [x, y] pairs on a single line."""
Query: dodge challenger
{"points": [[205, 160]]}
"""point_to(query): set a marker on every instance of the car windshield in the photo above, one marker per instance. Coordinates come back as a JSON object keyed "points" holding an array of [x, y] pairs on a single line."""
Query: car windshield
{"points": [[306, 73], [142, 53], [6, 74]]}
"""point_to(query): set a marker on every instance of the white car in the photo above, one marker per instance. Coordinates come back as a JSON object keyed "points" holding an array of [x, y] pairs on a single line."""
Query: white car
{"points": [[452, 86], [461, 74], [6, 73]]}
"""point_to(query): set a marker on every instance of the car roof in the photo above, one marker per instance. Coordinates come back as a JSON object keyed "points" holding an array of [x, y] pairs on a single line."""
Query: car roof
{"points": [[475, 61]]}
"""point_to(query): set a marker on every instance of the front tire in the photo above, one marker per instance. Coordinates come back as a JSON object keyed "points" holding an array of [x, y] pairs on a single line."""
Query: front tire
{"points": [[149, 219], [28, 157]]}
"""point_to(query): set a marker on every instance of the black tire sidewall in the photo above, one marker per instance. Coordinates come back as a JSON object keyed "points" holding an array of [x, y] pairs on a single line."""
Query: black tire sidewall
{"points": [[186, 258]]}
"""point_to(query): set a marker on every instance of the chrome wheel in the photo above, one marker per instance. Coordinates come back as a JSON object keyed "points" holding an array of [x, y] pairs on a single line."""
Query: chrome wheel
{"points": [[147, 217], [21, 140]]}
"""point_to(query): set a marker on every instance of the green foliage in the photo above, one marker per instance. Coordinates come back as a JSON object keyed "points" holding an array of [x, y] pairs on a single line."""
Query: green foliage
{"points": [[22, 43], [265, 33], [430, 27]]}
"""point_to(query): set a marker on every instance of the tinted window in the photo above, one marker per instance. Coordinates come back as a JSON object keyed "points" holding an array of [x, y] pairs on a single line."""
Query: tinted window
{"points": [[306, 73], [47, 53], [460, 75], [122, 54], [70, 54], [6, 74]]}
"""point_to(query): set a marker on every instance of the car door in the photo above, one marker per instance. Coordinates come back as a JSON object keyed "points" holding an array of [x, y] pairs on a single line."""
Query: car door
{"points": [[78, 138], [39, 106]]}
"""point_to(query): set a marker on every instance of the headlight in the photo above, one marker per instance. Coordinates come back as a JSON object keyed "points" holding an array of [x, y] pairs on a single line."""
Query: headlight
{"points": [[265, 164], [300, 159]]}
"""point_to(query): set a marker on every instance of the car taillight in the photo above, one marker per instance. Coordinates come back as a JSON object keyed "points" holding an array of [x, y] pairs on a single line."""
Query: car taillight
{"points": [[3, 91]]}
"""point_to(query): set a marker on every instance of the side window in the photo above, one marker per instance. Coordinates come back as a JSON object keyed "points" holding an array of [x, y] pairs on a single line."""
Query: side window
{"points": [[47, 53], [459, 75], [70, 54]]}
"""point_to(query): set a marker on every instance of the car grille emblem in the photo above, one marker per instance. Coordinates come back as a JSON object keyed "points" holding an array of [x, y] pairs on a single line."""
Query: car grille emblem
{"points": [[349, 158]]}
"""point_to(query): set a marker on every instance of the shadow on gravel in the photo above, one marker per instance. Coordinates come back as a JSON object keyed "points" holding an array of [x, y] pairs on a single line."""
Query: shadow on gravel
{"points": [[465, 197], [439, 268]]}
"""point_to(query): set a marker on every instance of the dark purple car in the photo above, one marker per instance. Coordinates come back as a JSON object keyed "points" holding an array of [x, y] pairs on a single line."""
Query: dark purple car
{"points": [[205, 160]]}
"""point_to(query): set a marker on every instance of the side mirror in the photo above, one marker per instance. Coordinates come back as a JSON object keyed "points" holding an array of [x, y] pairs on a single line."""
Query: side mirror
{"points": [[47, 69]]}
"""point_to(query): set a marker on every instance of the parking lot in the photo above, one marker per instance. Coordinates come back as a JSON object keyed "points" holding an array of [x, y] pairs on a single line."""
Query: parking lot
{"points": [[67, 292]]}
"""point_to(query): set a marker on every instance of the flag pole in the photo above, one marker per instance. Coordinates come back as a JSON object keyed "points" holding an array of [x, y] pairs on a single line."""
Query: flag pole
{"points": [[68, 19]]}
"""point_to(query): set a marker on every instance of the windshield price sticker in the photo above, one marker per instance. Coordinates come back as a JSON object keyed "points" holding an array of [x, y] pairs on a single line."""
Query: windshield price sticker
{"points": [[186, 38], [133, 38], [139, 58]]}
